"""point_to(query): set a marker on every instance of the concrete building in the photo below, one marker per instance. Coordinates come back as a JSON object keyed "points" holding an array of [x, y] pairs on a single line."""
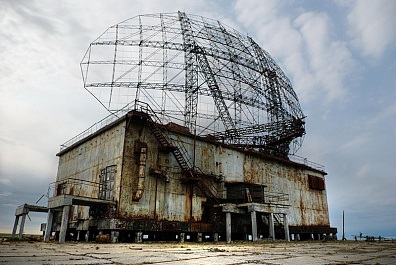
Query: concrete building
{"points": [[132, 179], [198, 145]]}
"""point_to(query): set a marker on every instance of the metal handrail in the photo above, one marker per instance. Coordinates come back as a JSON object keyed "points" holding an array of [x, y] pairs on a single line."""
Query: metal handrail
{"points": [[76, 187], [277, 198], [305, 161]]}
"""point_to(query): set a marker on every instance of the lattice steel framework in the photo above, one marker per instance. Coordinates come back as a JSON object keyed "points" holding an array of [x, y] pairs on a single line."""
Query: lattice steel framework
{"points": [[200, 73]]}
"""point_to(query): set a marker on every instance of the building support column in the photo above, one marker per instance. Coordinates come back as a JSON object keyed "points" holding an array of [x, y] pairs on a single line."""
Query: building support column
{"points": [[228, 227], [48, 227], [15, 226], [254, 225], [22, 226], [182, 237], [64, 223], [216, 237], [286, 226], [114, 235], [199, 237], [271, 226], [139, 237]]}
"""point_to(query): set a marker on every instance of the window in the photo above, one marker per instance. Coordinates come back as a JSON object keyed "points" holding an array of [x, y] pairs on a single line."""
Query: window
{"points": [[316, 183], [106, 185]]}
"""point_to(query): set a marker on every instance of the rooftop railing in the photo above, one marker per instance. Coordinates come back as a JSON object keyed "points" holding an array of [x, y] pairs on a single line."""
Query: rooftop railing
{"points": [[305, 161]]}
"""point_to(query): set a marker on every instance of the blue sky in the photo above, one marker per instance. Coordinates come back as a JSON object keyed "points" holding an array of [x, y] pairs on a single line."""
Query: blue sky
{"points": [[339, 55]]}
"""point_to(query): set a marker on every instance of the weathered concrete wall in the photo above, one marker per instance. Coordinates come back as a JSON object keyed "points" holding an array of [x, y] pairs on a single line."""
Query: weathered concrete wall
{"points": [[165, 196], [308, 206], [85, 161]]}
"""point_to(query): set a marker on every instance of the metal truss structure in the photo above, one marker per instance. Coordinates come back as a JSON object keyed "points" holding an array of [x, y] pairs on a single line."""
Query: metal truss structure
{"points": [[200, 73]]}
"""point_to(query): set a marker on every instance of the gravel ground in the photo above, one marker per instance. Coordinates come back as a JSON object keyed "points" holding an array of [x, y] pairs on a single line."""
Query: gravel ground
{"points": [[334, 252]]}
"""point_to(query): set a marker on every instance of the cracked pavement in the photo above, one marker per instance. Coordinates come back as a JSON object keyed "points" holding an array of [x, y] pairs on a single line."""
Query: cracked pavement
{"points": [[235, 253]]}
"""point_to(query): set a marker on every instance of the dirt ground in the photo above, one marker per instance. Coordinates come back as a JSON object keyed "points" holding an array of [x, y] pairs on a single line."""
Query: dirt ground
{"points": [[333, 252]]}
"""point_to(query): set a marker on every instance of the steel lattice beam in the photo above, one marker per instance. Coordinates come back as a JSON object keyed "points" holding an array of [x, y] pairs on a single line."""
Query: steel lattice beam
{"points": [[222, 81]]}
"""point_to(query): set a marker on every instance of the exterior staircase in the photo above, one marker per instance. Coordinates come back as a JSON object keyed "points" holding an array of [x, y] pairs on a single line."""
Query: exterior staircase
{"points": [[194, 174]]}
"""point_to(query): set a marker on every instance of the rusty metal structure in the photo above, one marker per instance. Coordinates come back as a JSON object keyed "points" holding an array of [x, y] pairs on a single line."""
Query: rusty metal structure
{"points": [[197, 146], [198, 72]]}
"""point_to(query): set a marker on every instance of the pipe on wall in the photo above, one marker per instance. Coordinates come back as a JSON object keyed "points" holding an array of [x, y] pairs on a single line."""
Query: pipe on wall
{"points": [[142, 168]]}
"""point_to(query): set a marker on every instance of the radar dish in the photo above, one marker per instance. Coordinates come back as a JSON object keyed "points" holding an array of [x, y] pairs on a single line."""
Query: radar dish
{"points": [[199, 73]]}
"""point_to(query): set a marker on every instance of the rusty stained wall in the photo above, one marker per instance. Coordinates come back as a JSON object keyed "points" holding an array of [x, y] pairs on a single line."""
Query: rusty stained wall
{"points": [[85, 161], [308, 206], [171, 199], [164, 197]]}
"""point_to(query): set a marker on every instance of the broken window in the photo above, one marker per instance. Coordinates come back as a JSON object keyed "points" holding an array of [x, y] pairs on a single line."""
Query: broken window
{"points": [[106, 185]]}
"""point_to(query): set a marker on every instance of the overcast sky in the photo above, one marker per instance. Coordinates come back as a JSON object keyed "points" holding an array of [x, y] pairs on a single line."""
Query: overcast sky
{"points": [[339, 55]]}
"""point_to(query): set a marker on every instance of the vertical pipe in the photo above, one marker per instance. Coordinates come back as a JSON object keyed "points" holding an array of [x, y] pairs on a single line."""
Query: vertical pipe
{"points": [[155, 198], [15, 226], [228, 227], [65, 219], [142, 167]]}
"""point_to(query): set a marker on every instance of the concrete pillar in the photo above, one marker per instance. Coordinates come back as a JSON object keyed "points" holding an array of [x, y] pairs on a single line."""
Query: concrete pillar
{"points": [[15, 226], [139, 237], [216, 237], [271, 226], [48, 227], [228, 227], [199, 237], [114, 235], [298, 238], [254, 225], [87, 236], [78, 235], [64, 223], [286, 226], [22, 226], [182, 237]]}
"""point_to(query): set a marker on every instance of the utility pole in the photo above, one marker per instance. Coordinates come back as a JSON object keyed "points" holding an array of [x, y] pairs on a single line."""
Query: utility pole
{"points": [[343, 225]]}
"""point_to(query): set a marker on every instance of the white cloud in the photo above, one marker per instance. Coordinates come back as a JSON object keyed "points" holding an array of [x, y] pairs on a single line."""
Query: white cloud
{"points": [[327, 59], [372, 25], [317, 62], [5, 181], [4, 194]]}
